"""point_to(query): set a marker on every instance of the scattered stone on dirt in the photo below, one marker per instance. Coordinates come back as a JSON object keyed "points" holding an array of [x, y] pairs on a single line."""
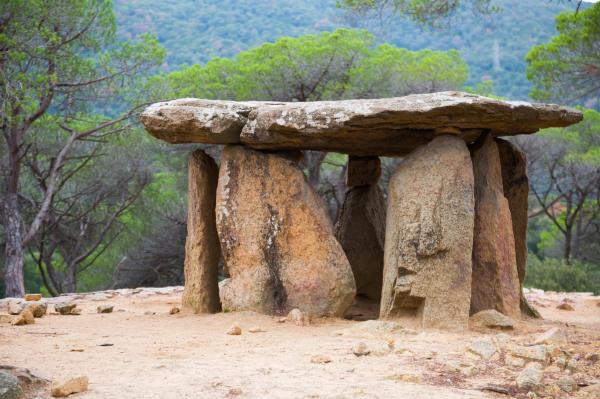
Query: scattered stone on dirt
{"points": [[491, 318], [255, 329], [554, 335], [372, 328], [592, 357], [495, 388], [234, 392], [320, 359], [65, 308], [589, 392], [567, 383], [235, 329], [15, 306], [361, 349], [69, 387], [530, 378], [298, 317], [9, 386], [75, 312], [513, 361], [32, 297], [174, 310], [26, 317], [457, 366], [37, 308], [565, 306], [483, 347], [535, 353], [105, 309]]}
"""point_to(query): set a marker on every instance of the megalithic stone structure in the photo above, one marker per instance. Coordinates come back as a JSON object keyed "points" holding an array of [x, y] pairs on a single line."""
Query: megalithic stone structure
{"points": [[202, 247], [455, 226], [360, 228], [429, 236], [495, 277]]}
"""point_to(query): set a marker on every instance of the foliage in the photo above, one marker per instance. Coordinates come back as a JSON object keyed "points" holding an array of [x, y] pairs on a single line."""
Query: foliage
{"points": [[493, 46], [557, 275], [567, 68]]}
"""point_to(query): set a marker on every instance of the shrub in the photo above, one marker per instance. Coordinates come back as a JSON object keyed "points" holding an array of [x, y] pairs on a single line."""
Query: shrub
{"points": [[556, 275]]}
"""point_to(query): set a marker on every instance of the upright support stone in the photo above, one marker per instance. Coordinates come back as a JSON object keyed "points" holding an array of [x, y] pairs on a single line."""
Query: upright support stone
{"points": [[515, 184], [202, 248], [361, 225], [277, 239], [495, 277], [429, 236]]}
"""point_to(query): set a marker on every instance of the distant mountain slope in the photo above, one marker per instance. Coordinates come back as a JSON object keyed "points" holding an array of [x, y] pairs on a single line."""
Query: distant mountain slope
{"points": [[194, 31]]}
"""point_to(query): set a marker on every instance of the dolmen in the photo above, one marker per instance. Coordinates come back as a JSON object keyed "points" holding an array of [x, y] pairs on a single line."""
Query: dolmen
{"points": [[448, 241]]}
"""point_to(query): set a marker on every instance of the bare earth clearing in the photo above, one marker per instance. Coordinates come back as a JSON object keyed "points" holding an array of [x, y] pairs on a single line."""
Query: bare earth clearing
{"points": [[154, 354]]}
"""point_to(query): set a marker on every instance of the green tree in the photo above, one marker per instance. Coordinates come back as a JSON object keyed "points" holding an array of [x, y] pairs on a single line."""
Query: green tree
{"points": [[59, 59], [567, 69]]}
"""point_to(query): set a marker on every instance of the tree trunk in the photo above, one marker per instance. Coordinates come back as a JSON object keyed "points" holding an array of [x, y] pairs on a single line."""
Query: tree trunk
{"points": [[71, 285], [568, 243], [14, 256], [313, 160]]}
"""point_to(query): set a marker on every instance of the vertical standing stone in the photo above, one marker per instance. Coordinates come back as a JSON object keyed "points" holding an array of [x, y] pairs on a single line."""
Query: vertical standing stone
{"points": [[361, 225], [495, 277], [277, 239], [429, 236], [515, 184], [202, 248]]}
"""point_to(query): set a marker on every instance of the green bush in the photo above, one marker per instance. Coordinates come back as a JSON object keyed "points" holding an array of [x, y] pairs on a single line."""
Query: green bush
{"points": [[556, 275]]}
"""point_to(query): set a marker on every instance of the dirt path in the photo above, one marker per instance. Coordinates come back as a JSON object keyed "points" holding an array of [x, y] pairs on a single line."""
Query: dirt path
{"points": [[153, 354]]}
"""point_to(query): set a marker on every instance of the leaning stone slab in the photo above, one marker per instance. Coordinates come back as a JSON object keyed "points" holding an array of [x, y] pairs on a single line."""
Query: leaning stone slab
{"points": [[429, 236], [277, 239], [202, 247], [495, 278], [388, 126]]}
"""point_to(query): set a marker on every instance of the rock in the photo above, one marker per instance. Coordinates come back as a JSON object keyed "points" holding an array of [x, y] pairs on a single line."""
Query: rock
{"points": [[572, 365], [372, 328], [105, 309], [514, 361], [37, 308], [464, 368], [589, 392], [567, 383], [69, 387], [75, 312], [174, 310], [554, 336], [360, 349], [320, 359], [234, 329], [592, 357], [530, 378], [15, 306], [362, 171], [298, 318], [565, 306], [288, 256], [495, 279], [9, 386], [255, 329], [26, 317], [202, 247], [64, 308], [492, 319], [32, 297], [360, 229], [482, 347], [535, 353], [429, 236]]}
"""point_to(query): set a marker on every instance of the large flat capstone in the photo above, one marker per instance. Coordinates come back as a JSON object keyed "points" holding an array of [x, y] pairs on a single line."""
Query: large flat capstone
{"points": [[388, 126]]}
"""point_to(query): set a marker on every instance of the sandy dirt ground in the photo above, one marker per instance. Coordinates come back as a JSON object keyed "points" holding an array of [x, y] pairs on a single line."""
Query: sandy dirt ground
{"points": [[142, 351]]}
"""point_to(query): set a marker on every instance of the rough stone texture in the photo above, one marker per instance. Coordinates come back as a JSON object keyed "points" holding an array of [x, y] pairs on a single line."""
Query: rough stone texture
{"points": [[495, 279], [202, 248], [492, 319], [362, 171], [388, 126], [429, 236], [9, 386], [530, 378], [37, 308], [515, 185], [32, 297], [74, 385], [277, 239], [360, 228]]}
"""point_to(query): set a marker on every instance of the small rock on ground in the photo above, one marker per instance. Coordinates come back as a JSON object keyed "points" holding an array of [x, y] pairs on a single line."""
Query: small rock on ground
{"points": [[320, 359], [565, 306], [567, 383], [74, 385], [361, 349], [65, 308], [298, 317], [531, 377], [26, 317], [482, 347], [491, 318], [37, 308], [234, 330], [105, 309], [255, 329], [32, 297], [174, 310], [554, 336]]}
